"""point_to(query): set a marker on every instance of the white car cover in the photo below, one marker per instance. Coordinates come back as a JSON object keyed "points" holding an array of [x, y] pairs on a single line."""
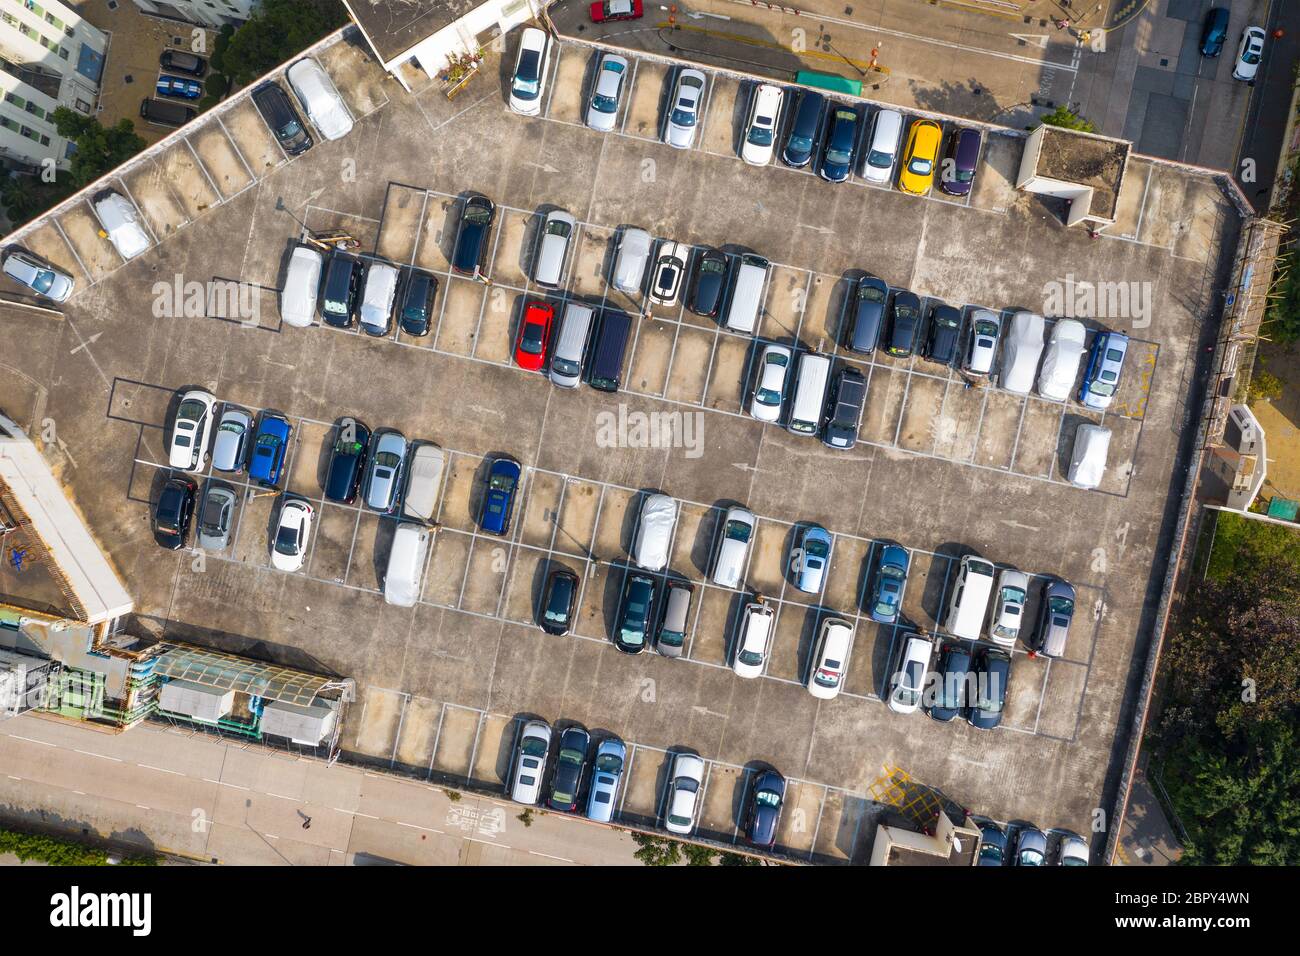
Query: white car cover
{"points": [[319, 97], [380, 291], [122, 223], [1061, 360], [1088, 460], [1021, 348], [654, 534], [301, 286]]}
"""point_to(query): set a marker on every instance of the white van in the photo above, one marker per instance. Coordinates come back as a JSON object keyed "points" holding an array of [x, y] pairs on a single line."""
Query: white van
{"points": [[654, 532], [882, 146], [754, 640], [970, 598], [747, 293], [406, 564], [423, 481], [809, 394], [571, 345], [301, 287]]}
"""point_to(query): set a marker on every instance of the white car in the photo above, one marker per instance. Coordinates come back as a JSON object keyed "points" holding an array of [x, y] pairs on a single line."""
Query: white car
{"points": [[122, 223], [654, 533], [737, 529], [1065, 348], [753, 640], [38, 275], [528, 82], [1249, 52], [190, 430], [377, 297], [319, 98], [684, 109], [292, 534], [668, 273], [760, 128], [1073, 851], [684, 786], [830, 660], [530, 762], [1088, 458], [301, 287], [606, 93], [769, 391], [1020, 352], [982, 347], [908, 680], [1008, 607], [630, 261]]}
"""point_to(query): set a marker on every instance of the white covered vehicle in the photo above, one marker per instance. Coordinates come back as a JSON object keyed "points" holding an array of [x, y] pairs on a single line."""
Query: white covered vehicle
{"points": [[301, 287], [377, 297], [320, 99], [1021, 348], [654, 533], [1065, 350], [121, 222], [1088, 459]]}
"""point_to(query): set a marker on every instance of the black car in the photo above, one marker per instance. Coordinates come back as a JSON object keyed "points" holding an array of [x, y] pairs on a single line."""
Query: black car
{"points": [[635, 613], [277, 109], [955, 680], [992, 674], [993, 845], [806, 113], [415, 307], [179, 61], [844, 402], [569, 764], [945, 333], [471, 240], [837, 151], [864, 314], [905, 323], [172, 514], [763, 813], [347, 461], [557, 601], [1215, 31], [708, 283], [338, 303]]}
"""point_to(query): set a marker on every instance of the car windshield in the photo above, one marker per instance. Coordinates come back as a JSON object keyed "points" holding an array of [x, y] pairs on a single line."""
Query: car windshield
{"points": [[920, 166], [767, 798], [952, 689], [604, 104], [1073, 861], [350, 448], [985, 327], [768, 396], [268, 442], [1101, 388], [751, 658], [800, 144], [672, 638], [565, 366], [531, 342], [42, 281], [885, 603], [557, 611], [609, 763], [501, 482], [717, 267], [869, 293], [233, 428], [386, 459], [526, 82], [738, 530], [190, 411], [1060, 605], [1031, 858], [1014, 597], [534, 747], [286, 541], [880, 160], [558, 227], [684, 117], [1251, 56], [761, 135], [816, 548], [990, 852], [478, 215]]}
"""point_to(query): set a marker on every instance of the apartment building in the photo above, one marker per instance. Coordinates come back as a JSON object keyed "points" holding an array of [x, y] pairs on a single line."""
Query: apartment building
{"points": [[49, 57], [204, 13]]}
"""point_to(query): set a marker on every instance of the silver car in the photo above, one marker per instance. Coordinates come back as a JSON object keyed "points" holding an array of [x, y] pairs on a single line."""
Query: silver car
{"points": [[216, 515], [384, 470], [530, 762], [1031, 848], [38, 275], [630, 260], [606, 93], [230, 447], [607, 773], [553, 248], [684, 109]]}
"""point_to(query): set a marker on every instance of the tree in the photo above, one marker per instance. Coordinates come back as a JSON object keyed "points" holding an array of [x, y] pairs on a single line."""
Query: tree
{"points": [[657, 851], [1064, 117], [99, 148], [276, 30]]}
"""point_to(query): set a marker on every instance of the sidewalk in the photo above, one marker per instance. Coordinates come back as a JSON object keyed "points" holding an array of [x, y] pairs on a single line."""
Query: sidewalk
{"points": [[1147, 838]]}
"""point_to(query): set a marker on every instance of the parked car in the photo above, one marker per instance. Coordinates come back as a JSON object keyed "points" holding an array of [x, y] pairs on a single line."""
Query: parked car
{"points": [[530, 762], [769, 389], [1020, 352], [342, 283], [880, 148], [270, 445], [1064, 352], [960, 161], [122, 223], [499, 496], [1072, 851], [684, 109], [471, 239], [569, 764], [1105, 363], [709, 283], [384, 470], [606, 775], [179, 61], [319, 98], [635, 613], [553, 248], [528, 82], [654, 532], [534, 335], [292, 534], [1055, 612], [945, 333], [733, 547], [173, 512], [809, 559], [216, 515], [992, 675], [837, 150], [415, 305], [951, 694], [668, 272], [684, 785], [761, 124], [234, 433], [753, 639], [905, 324], [1249, 54], [763, 811], [1215, 32], [607, 92], [605, 11], [176, 87], [919, 157], [674, 623], [1008, 610], [191, 429], [558, 599], [829, 663], [630, 261], [908, 679], [281, 118], [301, 289], [805, 124], [844, 401], [377, 298], [1031, 848], [864, 314], [993, 845], [1088, 455], [347, 462], [37, 274], [891, 578], [982, 347]]}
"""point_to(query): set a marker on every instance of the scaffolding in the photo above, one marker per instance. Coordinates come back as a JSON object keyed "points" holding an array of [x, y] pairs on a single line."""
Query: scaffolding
{"points": [[917, 803]]}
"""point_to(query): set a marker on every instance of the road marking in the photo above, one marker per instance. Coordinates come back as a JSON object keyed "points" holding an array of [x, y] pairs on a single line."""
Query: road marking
{"points": [[547, 856], [160, 769]]}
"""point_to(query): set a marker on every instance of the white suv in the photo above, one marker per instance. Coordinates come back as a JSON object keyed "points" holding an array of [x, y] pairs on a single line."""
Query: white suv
{"points": [[754, 640], [760, 129], [908, 681], [530, 762], [684, 788]]}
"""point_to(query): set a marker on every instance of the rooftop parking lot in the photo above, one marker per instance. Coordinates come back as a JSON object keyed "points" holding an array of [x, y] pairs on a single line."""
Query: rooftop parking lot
{"points": [[942, 469]]}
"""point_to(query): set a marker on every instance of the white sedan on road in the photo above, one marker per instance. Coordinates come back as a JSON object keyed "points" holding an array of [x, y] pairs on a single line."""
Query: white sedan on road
{"points": [[1249, 53], [292, 534]]}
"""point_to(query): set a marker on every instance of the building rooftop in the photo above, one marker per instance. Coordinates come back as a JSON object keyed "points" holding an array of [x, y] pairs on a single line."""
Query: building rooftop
{"points": [[1087, 160], [394, 26]]}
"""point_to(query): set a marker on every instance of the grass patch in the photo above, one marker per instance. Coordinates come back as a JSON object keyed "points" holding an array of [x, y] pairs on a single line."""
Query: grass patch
{"points": [[59, 852], [1242, 546]]}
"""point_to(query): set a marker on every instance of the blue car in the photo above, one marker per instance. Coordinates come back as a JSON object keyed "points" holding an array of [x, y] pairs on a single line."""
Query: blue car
{"points": [[808, 562], [607, 773], [837, 154], [499, 496], [891, 575], [1105, 363], [178, 88], [270, 445]]}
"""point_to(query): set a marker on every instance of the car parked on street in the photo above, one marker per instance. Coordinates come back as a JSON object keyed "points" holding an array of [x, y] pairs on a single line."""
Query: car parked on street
{"points": [[528, 81], [347, 462], [607, 93], [682, 801], [569, 765], [385, 470], [502, 482], [1215, 31], [763, 810], [173, 513], [530, 762], [684, 109], [606, 11], [292, 533], [1249, 54]]}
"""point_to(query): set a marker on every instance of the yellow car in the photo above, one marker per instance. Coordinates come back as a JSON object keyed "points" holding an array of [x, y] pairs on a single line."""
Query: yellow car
{"points": [[920, 157]]}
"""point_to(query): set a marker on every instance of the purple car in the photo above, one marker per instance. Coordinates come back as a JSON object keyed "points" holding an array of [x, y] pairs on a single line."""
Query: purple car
{"points": [[958, 167]]}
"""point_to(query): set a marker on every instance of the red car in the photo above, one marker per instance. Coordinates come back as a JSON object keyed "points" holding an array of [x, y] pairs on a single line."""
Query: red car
{"points": [[610, 10], [534, 335]]}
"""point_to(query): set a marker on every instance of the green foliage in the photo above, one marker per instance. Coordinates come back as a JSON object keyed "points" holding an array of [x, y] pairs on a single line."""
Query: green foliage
{"points": [[276, 30], [56, 852], [1264, 387], [697, 855], [526, 818], [1246, 548], [1062, 116], [1282, 320], [657, 851], [99, 148], [216, 85]]}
